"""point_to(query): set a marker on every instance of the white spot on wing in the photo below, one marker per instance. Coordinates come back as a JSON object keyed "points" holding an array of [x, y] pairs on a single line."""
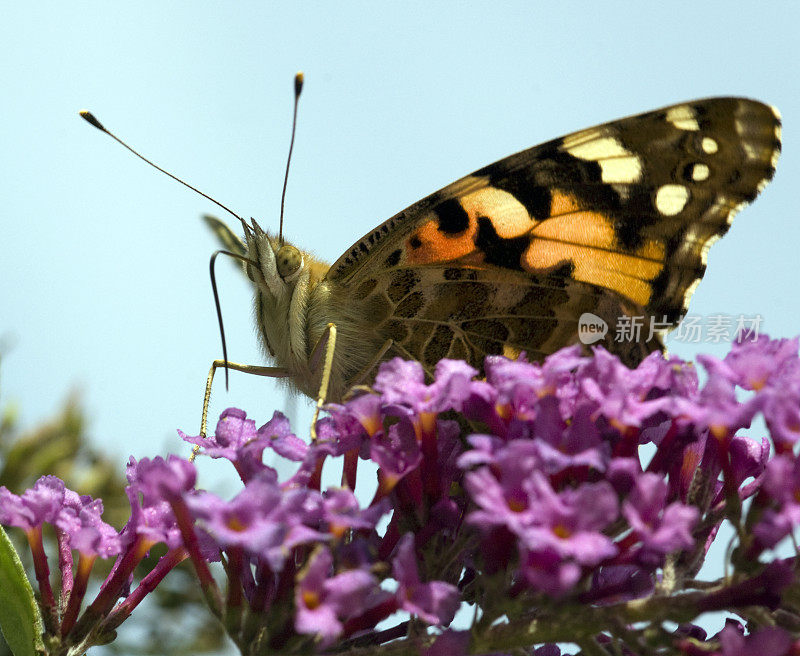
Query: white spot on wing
{"points": [[700, 172], [671, 199], [709, 145], [598, 148], [509, 216], [621, 169], [617, 164], [683, 117]]}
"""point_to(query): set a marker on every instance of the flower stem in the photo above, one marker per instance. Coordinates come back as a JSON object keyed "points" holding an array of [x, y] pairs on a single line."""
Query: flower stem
{"points": [[85, 563], [42, 570]]}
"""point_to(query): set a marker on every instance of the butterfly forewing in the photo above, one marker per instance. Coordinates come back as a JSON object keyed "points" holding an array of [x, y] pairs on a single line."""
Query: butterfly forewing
{"points": [[614, 220]]}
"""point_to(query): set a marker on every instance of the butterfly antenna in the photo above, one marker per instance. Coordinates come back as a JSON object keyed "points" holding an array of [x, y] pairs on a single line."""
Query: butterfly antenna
{"points": [[298, 87], [92, 120]]}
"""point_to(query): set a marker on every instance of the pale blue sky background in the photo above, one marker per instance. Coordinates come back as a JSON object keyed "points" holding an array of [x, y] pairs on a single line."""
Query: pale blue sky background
{"points": [[103, 268], [103, 261]]}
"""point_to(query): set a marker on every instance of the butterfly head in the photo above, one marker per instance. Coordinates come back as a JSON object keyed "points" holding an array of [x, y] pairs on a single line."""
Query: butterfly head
{"points": [[274, 268], [283, 277]]}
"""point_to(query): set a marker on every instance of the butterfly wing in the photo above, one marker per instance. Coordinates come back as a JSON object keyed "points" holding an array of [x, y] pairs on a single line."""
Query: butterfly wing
{"points": [[615, 220]]}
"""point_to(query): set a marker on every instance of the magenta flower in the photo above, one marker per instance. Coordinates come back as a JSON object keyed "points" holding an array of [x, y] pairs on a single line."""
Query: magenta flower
{"points": [[509, 502], [154, 484], [402, 383], [618, 394], [561, 445], [781, 483], [324, 600], [571, 523], [79, 519], [236, 439], [159, 479], [396, 452], [341, 512], [660, 527], [545, 570], [36, 506], [361, 414], [278, 436], [434, 602], [517, 379], [770, 641], [781, 409], [262, 520], [757, 363], [716, 407], [234, 433]]}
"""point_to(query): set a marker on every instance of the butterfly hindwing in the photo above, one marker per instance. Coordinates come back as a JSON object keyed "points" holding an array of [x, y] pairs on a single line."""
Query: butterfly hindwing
{"points": [[435, 312], [614, 220]]}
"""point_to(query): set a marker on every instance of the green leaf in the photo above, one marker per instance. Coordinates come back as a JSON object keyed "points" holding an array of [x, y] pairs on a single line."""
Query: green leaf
{"points": [[20, 620]]}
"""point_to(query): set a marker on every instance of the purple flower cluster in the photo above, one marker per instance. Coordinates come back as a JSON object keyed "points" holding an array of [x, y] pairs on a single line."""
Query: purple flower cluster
{"points": [[519, 493], [78, 528]]}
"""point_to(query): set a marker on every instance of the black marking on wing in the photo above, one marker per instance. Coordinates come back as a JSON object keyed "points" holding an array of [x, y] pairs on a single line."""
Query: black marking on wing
{"points": [[638, 213], [403, 282], [451, 217], [394, 258], [504, 252], [455, 273]]}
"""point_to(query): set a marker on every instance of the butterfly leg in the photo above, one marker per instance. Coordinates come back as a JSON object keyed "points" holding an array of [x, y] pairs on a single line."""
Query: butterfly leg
{"points": [[270, 372], [326, 343]]}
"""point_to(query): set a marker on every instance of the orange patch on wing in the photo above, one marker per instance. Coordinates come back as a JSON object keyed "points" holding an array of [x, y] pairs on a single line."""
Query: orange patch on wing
{"points": [[508, 216], [436, 246], [587, 240], [561, 204]]}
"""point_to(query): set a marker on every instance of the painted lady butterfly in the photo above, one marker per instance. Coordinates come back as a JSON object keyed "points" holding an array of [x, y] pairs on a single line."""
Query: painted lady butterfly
{"points": [[615, 220]]}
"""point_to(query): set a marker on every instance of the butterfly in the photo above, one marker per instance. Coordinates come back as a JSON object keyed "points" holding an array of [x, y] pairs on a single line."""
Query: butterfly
{"points": [[615, 220]]}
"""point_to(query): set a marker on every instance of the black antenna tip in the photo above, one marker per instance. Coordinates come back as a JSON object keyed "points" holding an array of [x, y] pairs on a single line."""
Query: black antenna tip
{"points": [[298, 83], [87, 116]]}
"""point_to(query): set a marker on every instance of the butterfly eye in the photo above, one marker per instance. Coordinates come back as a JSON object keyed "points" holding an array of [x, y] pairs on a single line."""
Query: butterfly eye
{"points": [[288, 262]]}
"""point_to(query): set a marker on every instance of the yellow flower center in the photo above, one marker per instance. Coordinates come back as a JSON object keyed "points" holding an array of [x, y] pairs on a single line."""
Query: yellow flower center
{"points": [[235, 524], [561, 531], [517, 505], [311, 599]]}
